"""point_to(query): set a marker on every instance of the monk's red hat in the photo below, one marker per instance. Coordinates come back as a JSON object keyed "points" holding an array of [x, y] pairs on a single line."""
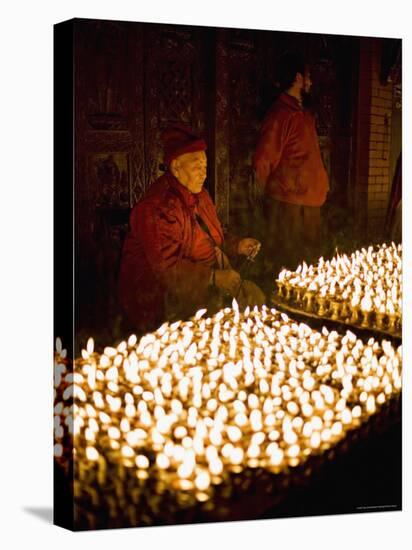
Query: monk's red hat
{"points": [[179, 139]]}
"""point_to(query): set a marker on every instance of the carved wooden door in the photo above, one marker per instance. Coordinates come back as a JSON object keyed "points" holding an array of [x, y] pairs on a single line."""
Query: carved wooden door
{"points": [[175, 80], [109, 156], [132, 80], [236, 126]]}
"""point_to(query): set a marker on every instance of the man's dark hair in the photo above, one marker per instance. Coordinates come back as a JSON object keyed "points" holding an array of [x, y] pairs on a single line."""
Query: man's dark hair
{"points": [[287, 66]]}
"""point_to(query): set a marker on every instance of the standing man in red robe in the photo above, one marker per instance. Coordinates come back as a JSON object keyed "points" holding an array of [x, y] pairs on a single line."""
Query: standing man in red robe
{"points": [[175, 256], [290, 170]]}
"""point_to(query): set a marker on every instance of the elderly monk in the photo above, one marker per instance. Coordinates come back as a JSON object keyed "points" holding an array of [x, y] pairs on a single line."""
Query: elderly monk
{"points": [[175, 255]]}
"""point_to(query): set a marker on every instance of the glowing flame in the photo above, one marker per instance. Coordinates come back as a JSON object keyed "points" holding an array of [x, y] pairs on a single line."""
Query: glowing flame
{"points": [[192, 402], [370, 278]]}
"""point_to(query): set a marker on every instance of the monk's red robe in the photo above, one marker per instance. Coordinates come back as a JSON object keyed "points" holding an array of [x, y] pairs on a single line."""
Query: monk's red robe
{"points": [[167, 253]]}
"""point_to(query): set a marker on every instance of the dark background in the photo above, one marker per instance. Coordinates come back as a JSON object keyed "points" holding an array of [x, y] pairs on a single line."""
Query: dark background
{"points": [[133, 79]]}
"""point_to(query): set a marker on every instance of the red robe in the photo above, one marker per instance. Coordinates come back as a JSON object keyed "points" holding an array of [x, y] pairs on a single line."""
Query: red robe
{"points": [[287, 160], [166, 253]]}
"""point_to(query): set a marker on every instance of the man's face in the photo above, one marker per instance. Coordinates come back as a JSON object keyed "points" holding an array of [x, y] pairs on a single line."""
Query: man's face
{"points": [[306, 82], [190, 170]]}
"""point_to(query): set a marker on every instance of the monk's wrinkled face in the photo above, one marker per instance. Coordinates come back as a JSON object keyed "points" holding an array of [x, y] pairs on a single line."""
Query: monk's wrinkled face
{"points": [[190, 170]]}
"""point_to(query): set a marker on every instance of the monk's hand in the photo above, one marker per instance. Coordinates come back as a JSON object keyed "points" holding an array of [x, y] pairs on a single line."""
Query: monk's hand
{"points": [[227, 280], [249, 247]]}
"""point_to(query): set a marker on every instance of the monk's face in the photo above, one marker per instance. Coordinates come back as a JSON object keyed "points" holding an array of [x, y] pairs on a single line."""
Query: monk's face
{"points": [[307, 82], [190, 170]]}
